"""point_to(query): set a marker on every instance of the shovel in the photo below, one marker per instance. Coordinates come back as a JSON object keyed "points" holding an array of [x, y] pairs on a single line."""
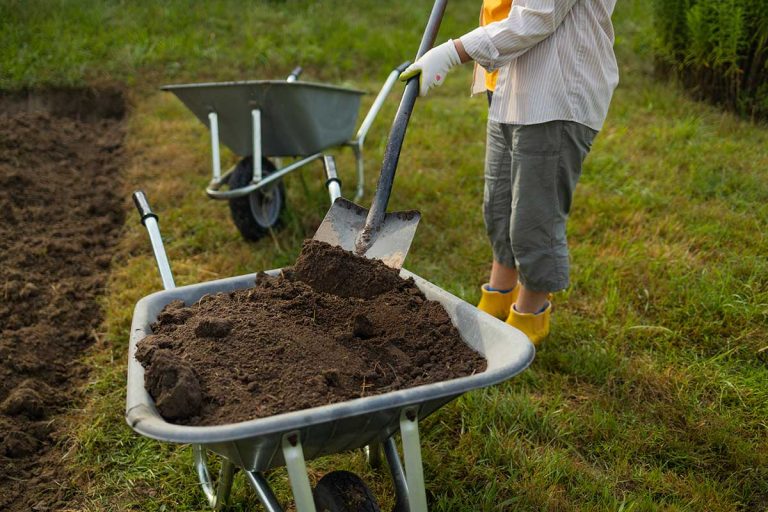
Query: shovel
{"points": [[375, 233]]}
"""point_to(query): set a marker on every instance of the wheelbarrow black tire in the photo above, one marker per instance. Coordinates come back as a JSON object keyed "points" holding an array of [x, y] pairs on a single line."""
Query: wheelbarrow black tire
{"points": [[342, 491], [260, 211]]}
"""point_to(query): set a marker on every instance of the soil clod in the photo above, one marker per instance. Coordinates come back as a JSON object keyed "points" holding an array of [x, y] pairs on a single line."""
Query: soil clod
{"points": [[342, 273], [211, 327], [174, 386], [26, 400], [17, 444], [174, 313], [362, 327]]}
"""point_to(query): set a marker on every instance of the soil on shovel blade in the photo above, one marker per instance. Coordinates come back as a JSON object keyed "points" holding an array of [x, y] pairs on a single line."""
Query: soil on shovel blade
{"points": [[333, 327], [60, 217]]}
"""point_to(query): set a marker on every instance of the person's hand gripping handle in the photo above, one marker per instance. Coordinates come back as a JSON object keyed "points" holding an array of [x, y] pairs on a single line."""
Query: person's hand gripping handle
{"points": [[434, 65]]}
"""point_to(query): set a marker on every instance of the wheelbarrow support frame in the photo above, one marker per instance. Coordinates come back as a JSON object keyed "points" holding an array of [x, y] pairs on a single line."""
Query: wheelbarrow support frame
{"points": [[409, 484]]}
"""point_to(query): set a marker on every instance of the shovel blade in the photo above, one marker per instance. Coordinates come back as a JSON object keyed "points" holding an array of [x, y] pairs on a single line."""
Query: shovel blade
{"points": [[390, 243]]}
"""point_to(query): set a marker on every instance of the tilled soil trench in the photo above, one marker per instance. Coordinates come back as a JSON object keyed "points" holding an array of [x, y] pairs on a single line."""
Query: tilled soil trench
{"points": [[60, 217], [334, 327]]}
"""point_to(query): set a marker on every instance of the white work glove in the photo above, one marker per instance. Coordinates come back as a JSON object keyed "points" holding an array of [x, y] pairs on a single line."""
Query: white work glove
{"points": [[433, 66]]}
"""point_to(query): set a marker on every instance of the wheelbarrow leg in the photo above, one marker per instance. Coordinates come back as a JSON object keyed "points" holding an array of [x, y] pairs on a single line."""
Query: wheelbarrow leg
{"points": [[297, 472], [256, 121], [213, 122], [266, 496], [414, 472], [218, 498], [373, 454], [411, 496]]}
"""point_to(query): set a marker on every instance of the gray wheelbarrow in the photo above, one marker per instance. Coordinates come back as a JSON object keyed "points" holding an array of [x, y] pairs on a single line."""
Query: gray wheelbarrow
{"points": [[290, 439], [263, 121]]}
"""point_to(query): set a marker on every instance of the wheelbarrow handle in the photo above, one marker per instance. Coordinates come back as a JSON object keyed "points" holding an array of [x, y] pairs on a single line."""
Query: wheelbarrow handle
{"points": [[295, 74], [397, 134], [333, 183], [403, 66], [149, 219], [142, 205]]}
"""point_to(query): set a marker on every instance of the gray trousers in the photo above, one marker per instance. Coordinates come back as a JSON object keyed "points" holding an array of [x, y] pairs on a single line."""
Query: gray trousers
{"points": [[531, 172]]}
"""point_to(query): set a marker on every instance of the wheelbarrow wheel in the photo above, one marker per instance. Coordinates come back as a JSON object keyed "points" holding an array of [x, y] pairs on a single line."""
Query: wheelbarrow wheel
{"points": [[342, 491], [260, 211]]}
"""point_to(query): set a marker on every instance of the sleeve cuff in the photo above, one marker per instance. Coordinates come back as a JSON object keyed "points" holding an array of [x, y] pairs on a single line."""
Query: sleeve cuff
{"points": [[478, 45]]}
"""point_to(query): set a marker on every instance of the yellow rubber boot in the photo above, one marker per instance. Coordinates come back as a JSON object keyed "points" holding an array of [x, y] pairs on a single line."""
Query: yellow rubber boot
{"points": [[535, 326], [496, 303]]}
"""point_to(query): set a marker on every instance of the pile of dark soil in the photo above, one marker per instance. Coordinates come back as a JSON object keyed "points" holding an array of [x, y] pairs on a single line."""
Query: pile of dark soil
{"points": [[334, 327], [59, 220]]}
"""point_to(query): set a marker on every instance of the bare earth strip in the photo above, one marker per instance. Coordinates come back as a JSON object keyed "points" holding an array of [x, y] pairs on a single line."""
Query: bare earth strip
{"points": [[60, 218]]}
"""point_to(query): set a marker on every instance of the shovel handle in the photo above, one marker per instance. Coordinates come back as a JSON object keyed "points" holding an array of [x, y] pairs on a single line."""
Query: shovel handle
{"points": [[397, 134]]}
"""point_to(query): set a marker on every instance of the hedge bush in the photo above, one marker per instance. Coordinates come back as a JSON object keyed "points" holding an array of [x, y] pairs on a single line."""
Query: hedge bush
{"points": [[718, 48]]}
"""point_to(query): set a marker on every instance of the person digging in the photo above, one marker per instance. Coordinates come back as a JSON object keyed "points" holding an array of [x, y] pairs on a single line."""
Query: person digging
{"points": [[549, 71]]}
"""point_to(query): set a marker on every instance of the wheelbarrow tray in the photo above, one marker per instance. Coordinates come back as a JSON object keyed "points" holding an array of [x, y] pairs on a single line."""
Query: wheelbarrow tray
{"points": [[255, 445], [297, 118]]}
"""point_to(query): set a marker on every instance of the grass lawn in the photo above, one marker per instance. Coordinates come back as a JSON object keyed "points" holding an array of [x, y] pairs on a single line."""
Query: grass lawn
{"points": [[652, 391]]}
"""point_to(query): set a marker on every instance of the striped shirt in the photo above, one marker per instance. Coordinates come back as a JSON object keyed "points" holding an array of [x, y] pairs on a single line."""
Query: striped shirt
{"points": [[555, 60]]}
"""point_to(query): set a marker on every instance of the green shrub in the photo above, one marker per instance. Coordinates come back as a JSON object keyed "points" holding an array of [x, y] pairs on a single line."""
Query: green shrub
{"points": [[718, 49]]}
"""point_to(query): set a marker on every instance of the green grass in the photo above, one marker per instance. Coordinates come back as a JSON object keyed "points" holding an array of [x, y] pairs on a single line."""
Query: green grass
{"points": [[652, 391], [75, 42]]}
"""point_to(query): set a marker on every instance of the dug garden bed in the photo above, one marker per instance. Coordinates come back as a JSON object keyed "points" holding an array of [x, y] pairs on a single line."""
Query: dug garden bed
{"points": [[60, 218]]}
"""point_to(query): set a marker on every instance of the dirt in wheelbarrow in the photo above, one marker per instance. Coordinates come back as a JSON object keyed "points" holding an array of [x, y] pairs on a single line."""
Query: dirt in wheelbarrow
{"points": [[60, 216], [334, 327]]}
